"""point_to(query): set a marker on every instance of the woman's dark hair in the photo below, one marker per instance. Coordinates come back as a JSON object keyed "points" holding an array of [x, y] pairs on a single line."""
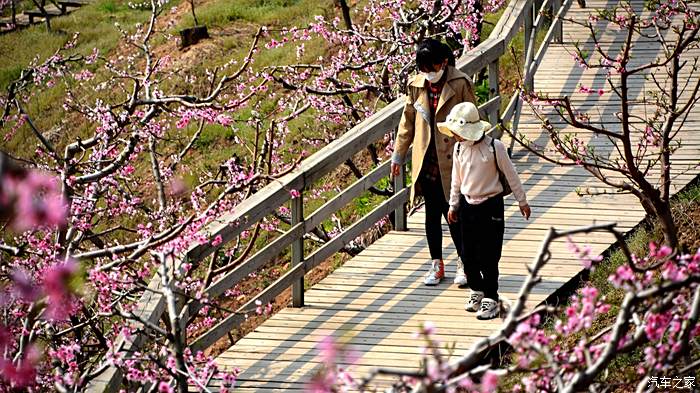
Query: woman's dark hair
{"points": [[431, 52]]}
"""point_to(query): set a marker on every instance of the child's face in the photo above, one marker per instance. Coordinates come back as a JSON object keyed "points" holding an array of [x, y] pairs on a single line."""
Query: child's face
{"points": [[435, 67]]}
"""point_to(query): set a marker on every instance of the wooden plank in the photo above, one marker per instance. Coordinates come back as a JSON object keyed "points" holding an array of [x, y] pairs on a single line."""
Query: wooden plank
{"points": [[508, 25], [50, 11], [348, 194], [297, 272], [554, 28], [489, 107], [356, 229], [256, 261], [150, 307], [267, 295], [74, 3], [246, 213], [486, 52]]}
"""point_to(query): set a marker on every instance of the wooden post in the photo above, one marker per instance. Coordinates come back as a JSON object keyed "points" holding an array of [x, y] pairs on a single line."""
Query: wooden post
{"points": [[529, 46], [558, 36], [400, 212], [298, 250], [528, 82], [14, 14], [493, 92]]}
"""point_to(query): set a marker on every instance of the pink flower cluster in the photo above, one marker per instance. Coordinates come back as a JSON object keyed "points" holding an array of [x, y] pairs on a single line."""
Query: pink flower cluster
{"points": [[32, 199], [589, 90], [583, 254]]}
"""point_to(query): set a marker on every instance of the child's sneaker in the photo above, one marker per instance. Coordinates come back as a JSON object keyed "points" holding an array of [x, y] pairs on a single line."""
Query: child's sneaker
{"points": [[460, 277], [436, 273], [488, 310], [474, 300]]}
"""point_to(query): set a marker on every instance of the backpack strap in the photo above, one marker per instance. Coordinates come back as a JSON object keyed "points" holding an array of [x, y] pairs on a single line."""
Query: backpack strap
{"points": [[495, 157], [501, 177]]}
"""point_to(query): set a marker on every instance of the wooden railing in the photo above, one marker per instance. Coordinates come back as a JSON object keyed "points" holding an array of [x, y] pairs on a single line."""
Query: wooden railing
{"points": [[151, 307]]}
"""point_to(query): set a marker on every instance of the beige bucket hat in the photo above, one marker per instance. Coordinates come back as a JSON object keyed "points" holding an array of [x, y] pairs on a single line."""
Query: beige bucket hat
{"points": [[463, 120]]}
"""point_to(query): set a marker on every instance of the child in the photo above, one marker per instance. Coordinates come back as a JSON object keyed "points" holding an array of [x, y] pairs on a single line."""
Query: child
{"points": [[476, 203], [431, 94]]}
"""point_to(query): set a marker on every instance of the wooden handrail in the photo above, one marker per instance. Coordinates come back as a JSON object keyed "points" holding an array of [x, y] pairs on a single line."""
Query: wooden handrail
{"points": [[265, 201]]}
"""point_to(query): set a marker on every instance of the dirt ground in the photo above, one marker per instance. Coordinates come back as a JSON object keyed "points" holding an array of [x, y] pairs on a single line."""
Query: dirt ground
{"points": [[687, 215]]}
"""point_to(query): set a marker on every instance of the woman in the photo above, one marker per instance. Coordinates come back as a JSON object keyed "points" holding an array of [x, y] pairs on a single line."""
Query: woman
{"points": [[432, 93]]}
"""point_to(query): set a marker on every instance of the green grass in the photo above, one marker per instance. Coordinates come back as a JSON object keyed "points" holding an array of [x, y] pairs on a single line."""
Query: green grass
{"points": [[95, 22], [259, 12], [692, 194], [20, 6]]}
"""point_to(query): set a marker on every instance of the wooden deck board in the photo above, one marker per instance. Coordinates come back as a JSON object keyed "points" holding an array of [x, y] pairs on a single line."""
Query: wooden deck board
{"points": [[376, 301]]}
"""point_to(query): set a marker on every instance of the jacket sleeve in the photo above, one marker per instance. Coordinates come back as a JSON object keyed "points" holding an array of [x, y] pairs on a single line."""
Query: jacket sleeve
{"points": [[406, 131], [468, 93], [506, 166], [456, 182]]}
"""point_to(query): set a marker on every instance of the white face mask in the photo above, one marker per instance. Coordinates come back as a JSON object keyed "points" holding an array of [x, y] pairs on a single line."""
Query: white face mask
{"points": [[433, 77]]}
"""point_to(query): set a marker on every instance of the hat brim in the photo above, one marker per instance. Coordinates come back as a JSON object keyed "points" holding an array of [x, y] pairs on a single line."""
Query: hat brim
{"points": [[465, 131]]}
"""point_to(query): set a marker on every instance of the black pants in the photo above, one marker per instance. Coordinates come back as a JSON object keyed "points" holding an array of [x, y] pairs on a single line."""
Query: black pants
{"points": [[436, 205], [482, 240]]}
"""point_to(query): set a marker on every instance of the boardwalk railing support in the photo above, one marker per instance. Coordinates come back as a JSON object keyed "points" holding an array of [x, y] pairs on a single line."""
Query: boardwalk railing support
{"points": [[13, 5], [529, 44], [558, 36], [298, 250], [400, 221], [493, 93]]}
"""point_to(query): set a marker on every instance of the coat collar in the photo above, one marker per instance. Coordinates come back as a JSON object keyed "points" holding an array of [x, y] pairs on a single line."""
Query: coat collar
{"points": [[418, 80]]}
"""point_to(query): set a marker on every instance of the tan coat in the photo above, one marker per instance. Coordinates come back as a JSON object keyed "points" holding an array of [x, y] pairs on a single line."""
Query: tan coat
{"points": [[414, 127]]}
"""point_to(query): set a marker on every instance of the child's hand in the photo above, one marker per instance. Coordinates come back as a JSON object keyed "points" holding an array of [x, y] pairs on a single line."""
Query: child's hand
{"points": [[451, 216], [525, 211]]}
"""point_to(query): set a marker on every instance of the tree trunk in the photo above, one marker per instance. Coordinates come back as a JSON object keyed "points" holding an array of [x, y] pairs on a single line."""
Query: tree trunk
{"points": [[668, 226], [474, 41], [194, 16], [661, 211], [346, 13]]}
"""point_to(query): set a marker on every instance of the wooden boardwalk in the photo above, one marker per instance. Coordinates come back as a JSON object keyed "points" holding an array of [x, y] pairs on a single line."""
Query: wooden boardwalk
{"points": [[376, 301]]}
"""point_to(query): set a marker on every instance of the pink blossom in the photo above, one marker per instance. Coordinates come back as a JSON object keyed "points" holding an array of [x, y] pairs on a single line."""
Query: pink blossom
{"points": [[659, 252], [56, 285], [23, 286], [428, 328], [217, 240], [83, 75], [36, 198], [328, 350], [489, 382], [164, 387]]}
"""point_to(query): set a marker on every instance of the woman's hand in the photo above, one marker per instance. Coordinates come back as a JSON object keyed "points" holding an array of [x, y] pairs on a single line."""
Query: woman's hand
{"points": [[395, 169], [452, 216], [525, 211]]}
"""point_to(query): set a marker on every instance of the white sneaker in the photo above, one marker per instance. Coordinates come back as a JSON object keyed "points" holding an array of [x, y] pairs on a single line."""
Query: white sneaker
{"points": [[474, 300], [460, 277], [436, 273], [488, 310]]}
